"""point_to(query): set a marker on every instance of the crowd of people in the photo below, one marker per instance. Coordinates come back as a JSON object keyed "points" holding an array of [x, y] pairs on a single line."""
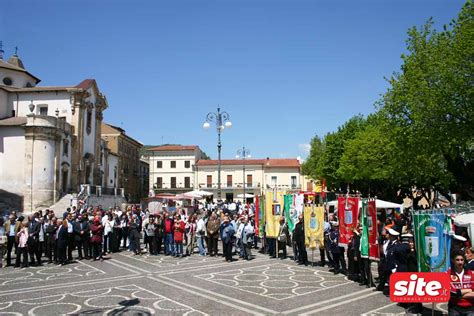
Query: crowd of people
{"points": [[177, 232]]}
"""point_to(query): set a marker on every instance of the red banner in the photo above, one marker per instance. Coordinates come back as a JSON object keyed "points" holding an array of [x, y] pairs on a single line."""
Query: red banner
{"points": [[257, 214], [374, 253], [348, 216]]}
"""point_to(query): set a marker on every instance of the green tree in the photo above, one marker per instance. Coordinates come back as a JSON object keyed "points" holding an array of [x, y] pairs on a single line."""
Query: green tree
{"points": [[309, 167], [429, 106]]}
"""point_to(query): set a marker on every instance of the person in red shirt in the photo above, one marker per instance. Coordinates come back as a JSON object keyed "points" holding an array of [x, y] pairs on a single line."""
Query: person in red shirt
{"points": [[462, 286], [179, 228]]}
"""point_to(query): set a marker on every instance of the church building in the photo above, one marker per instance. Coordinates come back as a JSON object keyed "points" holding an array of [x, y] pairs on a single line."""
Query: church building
{"points": [[50, 137]]}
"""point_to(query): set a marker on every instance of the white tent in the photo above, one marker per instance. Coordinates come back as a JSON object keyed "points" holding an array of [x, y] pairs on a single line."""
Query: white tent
{"points": [[465, 220], [378, 204], [247, 195], [198, 193]]}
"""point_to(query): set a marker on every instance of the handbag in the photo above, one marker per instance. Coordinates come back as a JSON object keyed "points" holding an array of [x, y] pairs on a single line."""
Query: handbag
{"points": [[3, 240], [282, 237]]}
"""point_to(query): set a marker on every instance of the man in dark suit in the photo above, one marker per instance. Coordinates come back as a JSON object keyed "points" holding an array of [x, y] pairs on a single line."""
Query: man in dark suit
{"points": [[390, 266], [469, 253], [82, 234], [62, 239], [50, 239], [34, 228], [298, 236]]}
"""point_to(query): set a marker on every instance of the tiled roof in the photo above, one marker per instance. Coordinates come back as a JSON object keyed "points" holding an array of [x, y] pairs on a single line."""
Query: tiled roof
{"points": [[230, 162], [173, 148], [291, 162], [271, 163], [85, 84]]}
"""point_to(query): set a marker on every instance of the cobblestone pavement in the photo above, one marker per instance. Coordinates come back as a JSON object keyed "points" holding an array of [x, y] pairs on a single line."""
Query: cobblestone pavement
{"points": [[149, 285]]}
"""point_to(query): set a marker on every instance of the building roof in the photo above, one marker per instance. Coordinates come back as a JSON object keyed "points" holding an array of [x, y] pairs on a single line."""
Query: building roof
{"points": [[7, 65], [283, 163], [107, 129], [16, 61], [37, 89], [173, 148], [85, 84], [13, 121], [271, 163]]}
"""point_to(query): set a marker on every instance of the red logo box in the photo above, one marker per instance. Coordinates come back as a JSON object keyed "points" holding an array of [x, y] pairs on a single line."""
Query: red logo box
{"points": [[419, 287]]}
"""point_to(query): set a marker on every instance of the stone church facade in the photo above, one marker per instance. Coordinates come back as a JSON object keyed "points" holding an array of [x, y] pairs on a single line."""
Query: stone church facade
{"points": [[50, 137]]}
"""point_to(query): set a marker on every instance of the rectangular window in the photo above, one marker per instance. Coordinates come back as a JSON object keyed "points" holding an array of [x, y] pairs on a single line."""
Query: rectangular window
{"points": [[209, 181], [249, 181], [229, 181], [309, 186], [65, 147], [89, 122], [173, 182], [293, 182], [159, 164], [274, 180], [187, 182], [159, 182], [43, 110], [173, 164], [187, 164]]}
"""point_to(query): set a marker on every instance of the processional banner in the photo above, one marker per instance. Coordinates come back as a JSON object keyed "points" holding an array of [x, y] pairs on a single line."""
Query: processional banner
{"points": [[348, 214], [433, 242]]}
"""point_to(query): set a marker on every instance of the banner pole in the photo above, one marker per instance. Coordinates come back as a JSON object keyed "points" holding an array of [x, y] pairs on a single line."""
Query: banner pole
{"points": [[312, 257], [432, 309]]}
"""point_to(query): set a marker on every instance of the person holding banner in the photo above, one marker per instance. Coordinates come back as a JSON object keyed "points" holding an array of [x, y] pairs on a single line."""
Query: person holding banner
{"points": [[334, 246], [282, 238], [299, 236], [391, 258]]}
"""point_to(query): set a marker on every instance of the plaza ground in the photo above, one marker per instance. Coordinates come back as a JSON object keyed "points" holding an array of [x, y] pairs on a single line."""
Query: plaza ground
{"points": [[162, 285]]}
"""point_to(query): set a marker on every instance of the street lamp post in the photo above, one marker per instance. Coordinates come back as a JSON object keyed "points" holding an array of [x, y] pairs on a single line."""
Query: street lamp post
{"points": [[222, 120], [243, 153]]}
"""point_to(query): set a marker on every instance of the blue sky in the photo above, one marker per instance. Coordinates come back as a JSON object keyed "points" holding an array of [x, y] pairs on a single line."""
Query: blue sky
{"points": [[283, 70]]}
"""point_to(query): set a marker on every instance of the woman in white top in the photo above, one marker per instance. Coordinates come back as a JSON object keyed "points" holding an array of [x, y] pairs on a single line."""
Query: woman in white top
{"points": [[108, 224]]}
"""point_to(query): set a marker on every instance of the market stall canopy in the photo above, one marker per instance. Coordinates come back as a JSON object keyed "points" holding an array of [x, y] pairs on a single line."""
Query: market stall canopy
{"points": [[198, 194], [247, 195], [378, 204], [164, 195], [182, 197]]}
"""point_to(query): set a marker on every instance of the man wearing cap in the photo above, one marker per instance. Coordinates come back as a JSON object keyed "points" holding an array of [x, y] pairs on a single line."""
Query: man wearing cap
{"points": [[390, 252], [334, 246]]}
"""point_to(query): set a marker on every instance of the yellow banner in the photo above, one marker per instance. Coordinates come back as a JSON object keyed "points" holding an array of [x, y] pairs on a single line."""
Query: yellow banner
{"points": [[314, 226], [273, 213]]}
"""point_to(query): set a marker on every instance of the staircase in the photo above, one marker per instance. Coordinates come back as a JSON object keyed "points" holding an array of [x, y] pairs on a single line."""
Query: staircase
{"points": [[61, 206]]}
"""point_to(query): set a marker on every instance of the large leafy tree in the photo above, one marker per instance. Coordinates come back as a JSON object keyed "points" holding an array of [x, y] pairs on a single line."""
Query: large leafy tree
{"points": [[430, 106], [423, 131]]}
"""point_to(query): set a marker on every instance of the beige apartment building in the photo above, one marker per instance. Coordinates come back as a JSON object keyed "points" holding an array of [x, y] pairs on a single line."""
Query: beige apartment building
{"points": [[260, 175], [127, 149], [171, 167]]}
